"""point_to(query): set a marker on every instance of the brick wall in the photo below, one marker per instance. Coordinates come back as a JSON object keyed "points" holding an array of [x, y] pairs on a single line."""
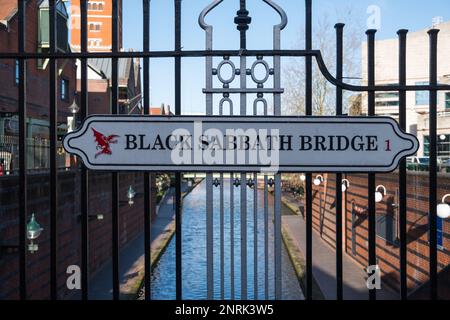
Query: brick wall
{"points": [[387, 251], [69, 228]]}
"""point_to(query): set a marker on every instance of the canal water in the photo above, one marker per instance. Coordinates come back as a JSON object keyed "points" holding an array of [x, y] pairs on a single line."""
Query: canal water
{"points": [[194, 251]]}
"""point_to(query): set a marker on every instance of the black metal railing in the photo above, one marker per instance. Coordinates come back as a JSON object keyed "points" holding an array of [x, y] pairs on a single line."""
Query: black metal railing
{"points": [[177, 54]]}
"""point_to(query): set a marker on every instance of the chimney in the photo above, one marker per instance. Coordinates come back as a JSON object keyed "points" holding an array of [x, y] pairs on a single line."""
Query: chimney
{"points": [[163, 109], [167, 110]]}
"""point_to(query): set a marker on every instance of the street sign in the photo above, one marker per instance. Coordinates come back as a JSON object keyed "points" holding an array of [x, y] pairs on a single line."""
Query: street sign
{"points": [[236, 144]]}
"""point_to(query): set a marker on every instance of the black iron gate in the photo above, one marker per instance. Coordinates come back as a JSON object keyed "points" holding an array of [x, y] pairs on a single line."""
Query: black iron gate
{"points": [[243, 21]]}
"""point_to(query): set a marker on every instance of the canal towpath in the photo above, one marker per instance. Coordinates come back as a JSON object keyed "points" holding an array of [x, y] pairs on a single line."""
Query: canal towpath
{"points": [[131, 260]]}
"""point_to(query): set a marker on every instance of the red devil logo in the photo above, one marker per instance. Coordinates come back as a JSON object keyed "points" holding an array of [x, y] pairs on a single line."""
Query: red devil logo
{"points": [[103, 142]]}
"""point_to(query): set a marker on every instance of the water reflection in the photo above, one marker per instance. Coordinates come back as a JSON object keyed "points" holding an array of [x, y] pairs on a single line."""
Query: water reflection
{"points": [[194, 251]]}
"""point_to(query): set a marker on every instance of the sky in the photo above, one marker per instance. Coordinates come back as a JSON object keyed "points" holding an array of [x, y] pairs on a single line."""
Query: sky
{"points": [[387, 16]]}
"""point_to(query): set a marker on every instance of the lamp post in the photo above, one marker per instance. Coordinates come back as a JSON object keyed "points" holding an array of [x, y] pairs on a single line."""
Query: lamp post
{"points": [[74, 108], [443, 209], [130, 196], [34, 230]]}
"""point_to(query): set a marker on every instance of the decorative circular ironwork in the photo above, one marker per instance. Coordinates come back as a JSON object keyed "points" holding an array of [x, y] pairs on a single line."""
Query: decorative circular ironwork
{"points": [[267, 68], [233, 71]]}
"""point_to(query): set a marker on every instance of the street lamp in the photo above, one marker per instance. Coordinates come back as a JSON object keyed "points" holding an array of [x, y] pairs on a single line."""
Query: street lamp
{"points": [[251, 183], [380, 195], [318, 180], [345, 185], [443, 209], [271, 182], [74, 108], [34, 230], [236, 182], [130, 196], [216, 182]]}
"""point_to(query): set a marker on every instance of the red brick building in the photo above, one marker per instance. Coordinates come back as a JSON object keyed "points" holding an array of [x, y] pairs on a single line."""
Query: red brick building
{"points": [[99, 25], [131, 219], [355, 228]]}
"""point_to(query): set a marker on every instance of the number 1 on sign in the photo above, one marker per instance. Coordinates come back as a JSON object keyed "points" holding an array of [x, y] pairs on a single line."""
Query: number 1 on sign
{"points": [[388, 145]]}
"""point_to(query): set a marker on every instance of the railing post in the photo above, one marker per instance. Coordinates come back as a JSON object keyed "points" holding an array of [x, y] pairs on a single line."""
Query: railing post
{"points": [[402, 169], [147, 176], [53, 156], [371, 179], [84, 111], [433, 35], [178, 213], [23, 195], [339, 72], [115, 194], [308, 180]]}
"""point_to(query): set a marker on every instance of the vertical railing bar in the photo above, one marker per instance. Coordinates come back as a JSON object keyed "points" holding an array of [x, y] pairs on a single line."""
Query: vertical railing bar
{"points": [[243, 111], [209, 237], [266, 238], [53, 161], [402, 170], [277, 208], [255, 226], [222, 222], [255, 238], [178, 217], [147, 177], [371, 177], [339, 76], [222, 240], [84, 198], [433, 35], [277, 234], [208, 180], [308, 181], [23, 195], [115, 175], [243, 217], [232, 291], [266, 231]]}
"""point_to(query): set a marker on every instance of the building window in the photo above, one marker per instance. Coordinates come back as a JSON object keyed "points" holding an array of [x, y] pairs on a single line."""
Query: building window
{"points": [[17, 72], [64, 90], [447, 101], [422, 97], [94, 43], [387, 99], [443, 146], [96, 5], [94, 27]]}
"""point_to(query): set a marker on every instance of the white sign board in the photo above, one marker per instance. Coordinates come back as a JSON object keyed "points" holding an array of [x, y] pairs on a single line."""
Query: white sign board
{"points": [[236, 144]]}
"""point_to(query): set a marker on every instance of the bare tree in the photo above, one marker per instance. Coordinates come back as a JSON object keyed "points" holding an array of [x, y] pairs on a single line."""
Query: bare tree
{"points": [[323, 92]]}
